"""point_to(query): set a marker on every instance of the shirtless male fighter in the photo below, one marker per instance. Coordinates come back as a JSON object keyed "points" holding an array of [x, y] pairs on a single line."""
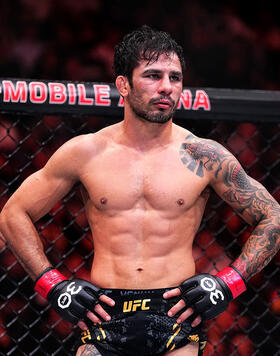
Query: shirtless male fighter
{"points": [[145, 183]]}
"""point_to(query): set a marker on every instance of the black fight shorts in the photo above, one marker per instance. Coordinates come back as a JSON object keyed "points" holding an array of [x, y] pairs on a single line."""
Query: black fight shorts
{"points": [[140, 326]]}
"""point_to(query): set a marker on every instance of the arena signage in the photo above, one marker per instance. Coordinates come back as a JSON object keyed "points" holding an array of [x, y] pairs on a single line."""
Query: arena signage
{"points": [[54, 93], [83, 94], [26, 96]]}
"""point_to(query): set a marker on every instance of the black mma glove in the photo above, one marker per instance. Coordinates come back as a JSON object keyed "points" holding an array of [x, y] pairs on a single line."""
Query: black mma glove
{"points": [[72, 299], [210, 295]]}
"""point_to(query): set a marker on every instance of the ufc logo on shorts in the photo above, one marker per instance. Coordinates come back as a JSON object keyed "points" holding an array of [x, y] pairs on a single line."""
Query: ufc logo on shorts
{"points": [[65, 299], [210, 285], [133, 305]]}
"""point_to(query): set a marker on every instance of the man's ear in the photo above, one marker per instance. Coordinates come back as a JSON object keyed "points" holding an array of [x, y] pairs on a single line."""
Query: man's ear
{"points": [[122, 85]]}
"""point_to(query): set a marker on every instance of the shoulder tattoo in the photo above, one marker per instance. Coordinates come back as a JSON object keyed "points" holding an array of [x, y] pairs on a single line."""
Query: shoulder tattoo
{"points": [[200, 155]]}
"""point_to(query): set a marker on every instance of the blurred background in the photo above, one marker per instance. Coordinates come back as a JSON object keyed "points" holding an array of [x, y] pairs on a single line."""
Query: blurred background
{"points": [[232, 44]]}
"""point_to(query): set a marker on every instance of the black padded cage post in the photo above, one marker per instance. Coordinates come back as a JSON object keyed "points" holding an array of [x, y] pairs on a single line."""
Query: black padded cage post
{"points": [[36, 117]]}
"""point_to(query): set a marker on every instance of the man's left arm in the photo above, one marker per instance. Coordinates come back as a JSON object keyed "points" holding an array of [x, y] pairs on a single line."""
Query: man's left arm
{"points": [[258, 208]]}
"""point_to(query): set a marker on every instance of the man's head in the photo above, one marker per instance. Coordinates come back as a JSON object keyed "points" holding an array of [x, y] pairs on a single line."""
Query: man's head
{"points": [[149, 66], [144, 44]]}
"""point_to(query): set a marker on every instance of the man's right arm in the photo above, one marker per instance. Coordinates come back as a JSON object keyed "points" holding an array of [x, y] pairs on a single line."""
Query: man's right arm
{"points": [[32, 200]]}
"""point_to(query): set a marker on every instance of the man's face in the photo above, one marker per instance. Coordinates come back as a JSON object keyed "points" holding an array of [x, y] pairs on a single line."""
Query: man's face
{"points": [[156, 90]]}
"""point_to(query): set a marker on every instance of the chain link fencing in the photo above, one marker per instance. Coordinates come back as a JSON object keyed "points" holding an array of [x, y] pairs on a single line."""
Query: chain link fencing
{"points": [[29, 326]]}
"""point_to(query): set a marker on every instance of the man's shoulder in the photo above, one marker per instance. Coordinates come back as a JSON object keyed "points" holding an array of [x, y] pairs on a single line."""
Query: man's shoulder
{"points": [[204, 144], [81, 143], [207, 151], [88, 145], [88, 142], [73, 156], [197, 143]]}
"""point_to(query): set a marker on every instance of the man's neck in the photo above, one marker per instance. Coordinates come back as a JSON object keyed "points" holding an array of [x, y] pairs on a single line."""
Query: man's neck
{"points": [[144, 135]]}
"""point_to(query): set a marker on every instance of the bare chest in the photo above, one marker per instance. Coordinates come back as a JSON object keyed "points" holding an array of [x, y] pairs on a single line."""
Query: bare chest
{"points": [[124, 180]]}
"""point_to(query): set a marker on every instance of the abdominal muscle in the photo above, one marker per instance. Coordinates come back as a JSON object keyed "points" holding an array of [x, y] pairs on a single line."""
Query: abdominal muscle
{"points": [[134, 250]]}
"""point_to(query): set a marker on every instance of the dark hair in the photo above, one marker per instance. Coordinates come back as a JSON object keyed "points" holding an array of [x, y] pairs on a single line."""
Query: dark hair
{"points": [[143, 44]]}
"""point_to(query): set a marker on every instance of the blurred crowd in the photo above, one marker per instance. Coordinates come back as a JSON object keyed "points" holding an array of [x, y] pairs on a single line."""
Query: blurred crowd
{"points": [[228, 44]]}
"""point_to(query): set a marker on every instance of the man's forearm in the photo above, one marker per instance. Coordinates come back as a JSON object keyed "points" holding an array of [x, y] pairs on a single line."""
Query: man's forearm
{"points": [[23, 239], [261, 247]]}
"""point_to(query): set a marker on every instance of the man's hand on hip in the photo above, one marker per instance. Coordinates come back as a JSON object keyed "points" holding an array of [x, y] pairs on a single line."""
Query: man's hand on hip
{"points": [[75, 300], [206, 295], [181, 305]]}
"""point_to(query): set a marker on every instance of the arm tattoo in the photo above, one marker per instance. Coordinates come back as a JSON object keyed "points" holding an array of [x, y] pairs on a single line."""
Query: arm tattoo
{"points": [[248, 197], [245, 196], [90, 350], [259, 249]]}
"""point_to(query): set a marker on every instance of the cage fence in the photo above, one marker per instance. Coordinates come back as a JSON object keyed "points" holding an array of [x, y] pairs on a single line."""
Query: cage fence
{"points": [[29, 326]]}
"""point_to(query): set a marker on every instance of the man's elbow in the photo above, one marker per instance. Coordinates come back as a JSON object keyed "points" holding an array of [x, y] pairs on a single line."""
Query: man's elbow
{"points": [[9, 216], [4, 218]]}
